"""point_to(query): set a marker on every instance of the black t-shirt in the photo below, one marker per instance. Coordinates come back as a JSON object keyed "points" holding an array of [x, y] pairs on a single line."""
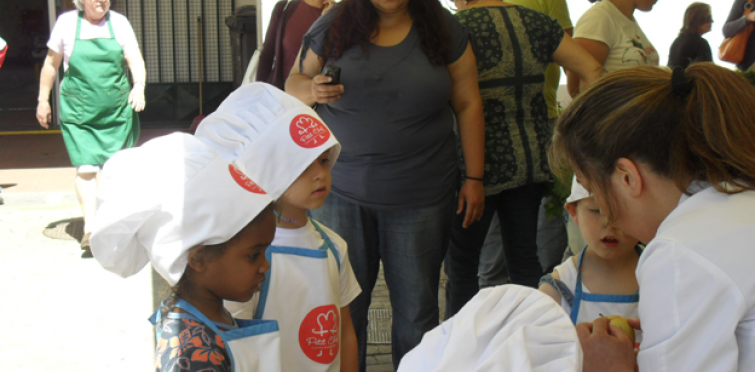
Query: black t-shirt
{"points": [[689, 48]]}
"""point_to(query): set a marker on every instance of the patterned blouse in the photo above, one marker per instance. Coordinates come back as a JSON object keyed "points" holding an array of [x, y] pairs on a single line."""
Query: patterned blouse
{"points": [[187, 344], [513, 45]]}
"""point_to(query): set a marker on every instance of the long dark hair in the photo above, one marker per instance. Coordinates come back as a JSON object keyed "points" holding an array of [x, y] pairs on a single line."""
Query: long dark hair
{"points": [[705, 135], [357, 20]]}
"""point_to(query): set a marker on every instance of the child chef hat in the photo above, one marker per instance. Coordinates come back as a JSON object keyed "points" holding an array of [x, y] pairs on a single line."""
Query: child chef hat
{"points": [[578, 192], [269, 135], [508, 328], [158, 201]]}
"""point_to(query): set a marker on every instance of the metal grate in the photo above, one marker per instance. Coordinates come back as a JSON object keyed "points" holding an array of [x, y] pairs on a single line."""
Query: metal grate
{"points": [[379, 326], [168, 37]]}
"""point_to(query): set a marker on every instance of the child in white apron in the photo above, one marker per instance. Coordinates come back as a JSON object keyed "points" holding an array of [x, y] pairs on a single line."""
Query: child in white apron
{"points": [[205, 229], [311, 282], [606, 266]]}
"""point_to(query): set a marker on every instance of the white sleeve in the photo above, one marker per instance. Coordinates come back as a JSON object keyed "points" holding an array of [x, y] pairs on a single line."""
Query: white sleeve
{"points": [[349, 286], [58, 34], [689, 309], [597, 25]]}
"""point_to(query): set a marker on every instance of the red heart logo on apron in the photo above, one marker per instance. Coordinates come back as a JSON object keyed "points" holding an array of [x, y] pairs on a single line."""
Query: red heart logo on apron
{"points": [[319, 334], [308, 132]]}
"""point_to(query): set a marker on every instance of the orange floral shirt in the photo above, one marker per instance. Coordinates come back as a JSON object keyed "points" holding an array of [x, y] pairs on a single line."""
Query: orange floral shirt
{"points": [[189, 345]]}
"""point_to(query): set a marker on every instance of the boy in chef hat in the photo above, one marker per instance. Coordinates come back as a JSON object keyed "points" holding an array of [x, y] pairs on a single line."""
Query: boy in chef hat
{"points": [[204, 226], [286, 148], [508, 328], [601, 280]]}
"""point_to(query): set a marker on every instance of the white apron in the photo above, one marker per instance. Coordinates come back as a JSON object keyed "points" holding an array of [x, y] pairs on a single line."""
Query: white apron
{"points": [[589, 306], [300, 294], [253, 347]]}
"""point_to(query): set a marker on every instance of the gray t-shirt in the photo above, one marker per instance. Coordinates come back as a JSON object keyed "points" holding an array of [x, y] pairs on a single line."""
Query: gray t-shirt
{"points": [[394, 120]]}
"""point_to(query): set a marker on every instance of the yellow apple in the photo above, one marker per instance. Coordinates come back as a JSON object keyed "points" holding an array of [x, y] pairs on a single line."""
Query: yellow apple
{"points": [[622, 323]]}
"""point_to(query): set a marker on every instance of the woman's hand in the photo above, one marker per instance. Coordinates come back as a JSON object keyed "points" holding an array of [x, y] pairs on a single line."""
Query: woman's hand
{"points": [[44, 114], [323, 92], [473, 195], [606, 347], [136, 98], [327, 5]]}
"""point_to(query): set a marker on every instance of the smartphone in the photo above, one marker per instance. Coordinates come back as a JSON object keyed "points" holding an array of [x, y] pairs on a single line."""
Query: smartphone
{"points": [[334, 72]]}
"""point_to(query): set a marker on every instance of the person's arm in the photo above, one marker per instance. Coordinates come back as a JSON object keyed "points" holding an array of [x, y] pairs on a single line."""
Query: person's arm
{"points": [[268, 47], [467, 104], [349, 349], [309, 85], [572, 57], [599, 52], [46, 81], [550, 290], [735, 23], [690, 309], [135, 63]]}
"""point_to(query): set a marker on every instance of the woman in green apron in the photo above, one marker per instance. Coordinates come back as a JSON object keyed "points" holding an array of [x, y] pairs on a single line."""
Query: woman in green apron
{"points": [[97, 103]]}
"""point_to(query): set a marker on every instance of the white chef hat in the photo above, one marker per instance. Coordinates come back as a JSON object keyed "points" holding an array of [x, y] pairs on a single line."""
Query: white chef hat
{"points": [[508, 328], [158, 201], [269, 135], [578, 192]]}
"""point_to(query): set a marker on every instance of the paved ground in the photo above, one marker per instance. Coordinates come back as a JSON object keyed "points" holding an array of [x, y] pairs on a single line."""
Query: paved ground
{"points": [[65, 313]]}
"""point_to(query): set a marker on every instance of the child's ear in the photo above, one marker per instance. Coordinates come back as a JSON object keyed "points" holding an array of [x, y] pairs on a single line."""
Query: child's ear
{"points": [[572, 208], [196, 262]]}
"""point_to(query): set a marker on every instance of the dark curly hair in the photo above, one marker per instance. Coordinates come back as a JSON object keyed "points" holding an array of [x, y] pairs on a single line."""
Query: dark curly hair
{"points": [[356, 20]]}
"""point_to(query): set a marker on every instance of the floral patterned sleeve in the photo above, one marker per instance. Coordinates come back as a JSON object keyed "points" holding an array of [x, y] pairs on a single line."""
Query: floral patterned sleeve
{"points": [[188, 345]]}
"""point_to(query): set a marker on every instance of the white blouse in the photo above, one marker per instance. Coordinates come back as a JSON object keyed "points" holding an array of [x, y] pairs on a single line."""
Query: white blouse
{"points": [[64, 33], [697, 288]]}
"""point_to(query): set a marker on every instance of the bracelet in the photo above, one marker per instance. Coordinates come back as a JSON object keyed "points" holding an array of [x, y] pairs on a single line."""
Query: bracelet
{"points": [[473, 178], [139, 83]]}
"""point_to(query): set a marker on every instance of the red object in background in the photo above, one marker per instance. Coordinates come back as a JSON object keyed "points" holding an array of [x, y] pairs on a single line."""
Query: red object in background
{"points": [[2, 55]]}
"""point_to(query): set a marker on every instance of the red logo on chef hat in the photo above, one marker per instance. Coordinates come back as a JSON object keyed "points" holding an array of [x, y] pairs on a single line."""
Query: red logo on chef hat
{"points": [[319, 334], [245, 181], [308, 132]]}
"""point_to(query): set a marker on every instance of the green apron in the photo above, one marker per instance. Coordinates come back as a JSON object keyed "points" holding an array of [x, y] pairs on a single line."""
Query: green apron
{"points": [[96, 118]]}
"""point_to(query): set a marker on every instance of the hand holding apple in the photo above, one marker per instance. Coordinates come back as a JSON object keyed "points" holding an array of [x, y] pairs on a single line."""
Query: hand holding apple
{"points": [[622, 323], [605, 348]]}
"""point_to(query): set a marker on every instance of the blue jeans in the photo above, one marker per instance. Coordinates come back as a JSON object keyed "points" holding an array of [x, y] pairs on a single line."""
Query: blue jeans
{"points": [[411, 244], [517, 212]]}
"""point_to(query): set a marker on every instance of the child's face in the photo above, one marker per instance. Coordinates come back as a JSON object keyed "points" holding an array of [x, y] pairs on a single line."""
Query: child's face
{"points": [[607, 241], [240, 271], [312, 187]]}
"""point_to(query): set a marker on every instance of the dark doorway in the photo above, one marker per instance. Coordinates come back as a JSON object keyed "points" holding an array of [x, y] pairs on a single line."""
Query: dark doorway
{"points": [[25, 27]]}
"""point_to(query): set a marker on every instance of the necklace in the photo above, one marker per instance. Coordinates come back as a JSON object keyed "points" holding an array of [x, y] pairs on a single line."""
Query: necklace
{"points": [[284, 218]]}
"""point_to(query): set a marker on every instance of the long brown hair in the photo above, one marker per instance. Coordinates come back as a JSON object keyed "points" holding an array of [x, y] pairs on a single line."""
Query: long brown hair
{"points": [[357, 20], [696, 15], [706, 133]]}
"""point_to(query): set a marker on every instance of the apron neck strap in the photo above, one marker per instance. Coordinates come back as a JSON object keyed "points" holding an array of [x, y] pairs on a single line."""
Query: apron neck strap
{"points": [[328, 242]]}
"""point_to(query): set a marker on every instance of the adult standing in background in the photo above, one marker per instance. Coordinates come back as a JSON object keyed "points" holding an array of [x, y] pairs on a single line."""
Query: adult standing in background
{"points": [[737, 22], [406, 68], [551, 233], [97, 102], [289, 22], [610, 33], [689, 46], [515, 45]]}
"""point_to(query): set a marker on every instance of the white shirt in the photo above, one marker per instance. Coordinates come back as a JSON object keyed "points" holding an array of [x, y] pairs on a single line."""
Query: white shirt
{"points": [[629, 47], [308, 237], [697, 288], [63, 34]]}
